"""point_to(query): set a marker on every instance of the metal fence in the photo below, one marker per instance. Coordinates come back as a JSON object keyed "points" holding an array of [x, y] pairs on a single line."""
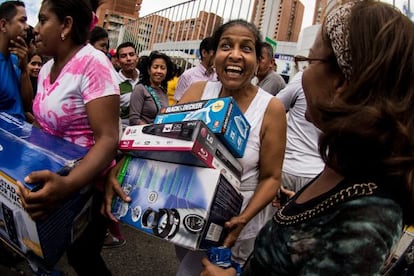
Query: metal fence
{"points": [[179, 29]]}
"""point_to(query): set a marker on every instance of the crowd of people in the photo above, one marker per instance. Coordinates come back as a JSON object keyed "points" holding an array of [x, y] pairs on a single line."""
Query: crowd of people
{"points": [[344, 156]]}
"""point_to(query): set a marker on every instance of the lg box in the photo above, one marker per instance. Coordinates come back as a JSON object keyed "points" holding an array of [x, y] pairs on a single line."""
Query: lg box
{"points": [[221, 115], [188, 142], [23, 149], [185, 205]]}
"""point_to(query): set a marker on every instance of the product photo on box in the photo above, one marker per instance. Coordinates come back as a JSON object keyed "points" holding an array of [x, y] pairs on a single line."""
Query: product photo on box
{"points": [[184, 205]]}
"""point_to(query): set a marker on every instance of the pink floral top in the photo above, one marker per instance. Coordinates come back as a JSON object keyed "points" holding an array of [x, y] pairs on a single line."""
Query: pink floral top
{"points": [[60, 107]]}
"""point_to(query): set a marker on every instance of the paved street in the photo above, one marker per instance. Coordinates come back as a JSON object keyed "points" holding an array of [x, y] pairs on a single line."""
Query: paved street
{"points": [[142, 255]]}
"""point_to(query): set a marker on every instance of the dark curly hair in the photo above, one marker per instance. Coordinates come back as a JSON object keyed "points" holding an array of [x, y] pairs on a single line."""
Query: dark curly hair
{"points": [[146, 63], [368, 131]]}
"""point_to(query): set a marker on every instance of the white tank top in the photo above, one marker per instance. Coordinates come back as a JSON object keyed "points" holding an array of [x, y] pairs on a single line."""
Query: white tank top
{"points": [[250, 160]]}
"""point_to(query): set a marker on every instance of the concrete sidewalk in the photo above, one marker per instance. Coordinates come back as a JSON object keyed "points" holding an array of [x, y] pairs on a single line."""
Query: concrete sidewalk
{"points": [[143, 255]]}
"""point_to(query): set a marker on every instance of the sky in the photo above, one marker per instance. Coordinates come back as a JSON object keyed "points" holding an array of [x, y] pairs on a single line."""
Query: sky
{"points": [[149, 6]]}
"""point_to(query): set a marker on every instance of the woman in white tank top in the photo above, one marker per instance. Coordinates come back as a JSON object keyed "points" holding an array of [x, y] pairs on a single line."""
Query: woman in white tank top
{"points": [[236, 61]]}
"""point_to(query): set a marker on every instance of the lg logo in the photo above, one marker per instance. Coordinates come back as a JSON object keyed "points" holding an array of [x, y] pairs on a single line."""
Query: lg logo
{"points": [[210, 139]]}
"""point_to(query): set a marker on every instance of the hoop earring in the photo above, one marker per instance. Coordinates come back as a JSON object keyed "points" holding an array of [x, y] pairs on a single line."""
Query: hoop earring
{"points": [[62, 36]]}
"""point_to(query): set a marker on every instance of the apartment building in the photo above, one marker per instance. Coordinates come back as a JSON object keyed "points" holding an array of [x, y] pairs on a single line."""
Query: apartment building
{"points": [[113, 14], [156, 29], [280, 20]]}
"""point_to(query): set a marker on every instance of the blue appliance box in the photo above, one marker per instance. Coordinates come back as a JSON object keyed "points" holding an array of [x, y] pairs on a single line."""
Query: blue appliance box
{"points": [[23, 149], [221, 115], [185, 205]]}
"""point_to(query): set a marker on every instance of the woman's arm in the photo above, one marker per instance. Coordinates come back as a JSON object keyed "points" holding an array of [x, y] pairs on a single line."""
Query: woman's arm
{"points": [[56, 188], [105, 127], [272, 150], [113, 187]]}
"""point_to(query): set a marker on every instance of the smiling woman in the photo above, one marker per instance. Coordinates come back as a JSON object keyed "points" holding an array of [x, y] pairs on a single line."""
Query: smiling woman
{"points": [[150, 96], [237, 44]]}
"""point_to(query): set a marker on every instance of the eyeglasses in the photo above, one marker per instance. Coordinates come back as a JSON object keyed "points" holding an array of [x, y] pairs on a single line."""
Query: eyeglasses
{"points": [[304, 62]]}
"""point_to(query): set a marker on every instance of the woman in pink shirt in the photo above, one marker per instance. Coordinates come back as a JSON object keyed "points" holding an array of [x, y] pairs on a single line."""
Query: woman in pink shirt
{"points": [[74, 87]]}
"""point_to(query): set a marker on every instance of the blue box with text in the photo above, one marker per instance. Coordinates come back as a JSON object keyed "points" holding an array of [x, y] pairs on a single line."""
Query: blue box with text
{"points": [[23, 149], [222, 116]]}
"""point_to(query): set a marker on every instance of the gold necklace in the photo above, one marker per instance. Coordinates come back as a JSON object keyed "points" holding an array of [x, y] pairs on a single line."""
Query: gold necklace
{"points": [[339, 197]]}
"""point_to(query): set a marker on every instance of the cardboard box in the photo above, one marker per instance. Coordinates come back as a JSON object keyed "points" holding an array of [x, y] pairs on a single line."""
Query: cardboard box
{"points": [[23, 149], [221, 115], [189, 142], [185, 205]]}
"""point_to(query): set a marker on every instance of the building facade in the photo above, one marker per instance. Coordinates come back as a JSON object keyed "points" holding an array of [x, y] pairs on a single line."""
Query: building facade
{"points": [[280, 20], [179, 29], [322, 7], [155, 29], [113, 14]]}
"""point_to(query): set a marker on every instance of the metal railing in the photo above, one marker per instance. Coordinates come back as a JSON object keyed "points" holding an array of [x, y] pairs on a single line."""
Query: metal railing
{"points": [[179, 29]]}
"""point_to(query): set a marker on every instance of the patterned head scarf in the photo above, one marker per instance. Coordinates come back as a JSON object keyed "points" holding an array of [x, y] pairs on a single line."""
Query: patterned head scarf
{"points": [[337, 30]]}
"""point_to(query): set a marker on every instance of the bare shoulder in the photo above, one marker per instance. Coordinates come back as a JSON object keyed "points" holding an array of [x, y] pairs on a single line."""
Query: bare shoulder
{"points": [[275, 109], [194, 92], [274, 120]]}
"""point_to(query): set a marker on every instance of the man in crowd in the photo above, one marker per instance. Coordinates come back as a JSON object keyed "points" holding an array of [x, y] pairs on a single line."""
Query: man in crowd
{"points": [[128, 76], [267, 78], [16, 91], [202, 72]]}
